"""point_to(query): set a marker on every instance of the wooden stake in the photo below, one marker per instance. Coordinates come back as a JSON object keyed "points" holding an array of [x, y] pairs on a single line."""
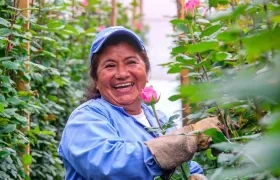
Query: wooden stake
{"points": [[21, 86], [113, 18], [134, 8], [183, 74], [141, 12]]}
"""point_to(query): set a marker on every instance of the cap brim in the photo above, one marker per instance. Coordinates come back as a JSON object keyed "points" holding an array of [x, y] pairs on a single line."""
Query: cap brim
{"points": [[119, 32]]}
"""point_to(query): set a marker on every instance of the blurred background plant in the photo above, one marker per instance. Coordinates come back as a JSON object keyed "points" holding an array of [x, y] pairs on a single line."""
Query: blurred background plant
{"points": [[54, 78], [230, 50]]}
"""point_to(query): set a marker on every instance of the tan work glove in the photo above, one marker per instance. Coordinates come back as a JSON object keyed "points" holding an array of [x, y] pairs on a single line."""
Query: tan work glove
{"points": [[197, 177], [173, 149], [201, 126]]}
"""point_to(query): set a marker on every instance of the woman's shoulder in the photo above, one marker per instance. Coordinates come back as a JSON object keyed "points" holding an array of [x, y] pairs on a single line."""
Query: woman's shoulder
{"points": [[92, 105]]}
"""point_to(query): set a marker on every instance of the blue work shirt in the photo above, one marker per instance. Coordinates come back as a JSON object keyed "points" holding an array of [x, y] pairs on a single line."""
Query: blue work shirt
{"points": [[101, 141]]}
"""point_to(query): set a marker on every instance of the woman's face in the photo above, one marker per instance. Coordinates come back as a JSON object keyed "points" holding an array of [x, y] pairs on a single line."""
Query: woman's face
{"points": [[121, 75]]}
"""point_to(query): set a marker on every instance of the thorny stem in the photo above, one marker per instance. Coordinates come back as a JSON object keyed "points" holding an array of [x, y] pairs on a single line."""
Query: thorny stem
{"points": [[268, 22], [267, 18], [155, 113], [13, 19], [207, 79]]}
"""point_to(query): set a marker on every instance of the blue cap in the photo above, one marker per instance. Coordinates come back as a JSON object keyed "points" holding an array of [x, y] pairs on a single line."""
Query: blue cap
{"points": [[103, 35]]}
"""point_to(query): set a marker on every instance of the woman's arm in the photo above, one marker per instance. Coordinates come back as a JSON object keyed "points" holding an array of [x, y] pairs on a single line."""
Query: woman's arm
{"points": [[93, 148]]}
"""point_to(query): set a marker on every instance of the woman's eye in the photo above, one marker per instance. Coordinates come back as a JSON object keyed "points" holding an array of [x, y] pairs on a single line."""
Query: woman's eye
{"points": [[132, 62], [109, 65]]}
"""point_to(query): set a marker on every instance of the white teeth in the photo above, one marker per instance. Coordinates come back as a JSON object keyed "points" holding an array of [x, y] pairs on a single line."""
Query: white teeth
{"points": [[123, 85]]}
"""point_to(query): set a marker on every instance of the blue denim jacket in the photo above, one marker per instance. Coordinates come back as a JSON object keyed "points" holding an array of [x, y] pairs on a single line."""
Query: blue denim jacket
{"points": [[101, 141]]}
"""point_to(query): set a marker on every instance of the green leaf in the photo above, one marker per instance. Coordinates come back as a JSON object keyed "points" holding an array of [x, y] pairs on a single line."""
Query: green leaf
{"points": [[185, 61], [216, 135], [175, 176], [5, 32], [173, 117], [70, 29], [174, 97], [210, 155], [8, 128], [174, 22], [11, 111], [193, 74], [10, 65], [179, 49], [38, 77], [14, 100], [174, 69], [198, 92], [21, 119], [2, 98], [52, 98], [57, 25], [79, 29], [49, 54], [4, 154], [6, 58], [2, 107], [26, 159], [210, 30], [203, 46], [39, 66], [182, 27], [229, 36], [45, 38], [276, 19], [202, 21], [4, 22], [262, 42], [215, 3], [220, 56]]}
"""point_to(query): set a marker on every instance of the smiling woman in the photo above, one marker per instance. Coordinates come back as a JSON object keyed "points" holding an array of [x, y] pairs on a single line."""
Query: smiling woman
{"points": [[106, 137]]}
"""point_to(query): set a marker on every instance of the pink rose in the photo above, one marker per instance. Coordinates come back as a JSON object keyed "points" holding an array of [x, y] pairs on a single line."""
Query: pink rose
{"points": [[149, 95], [191, 5], [84, 3], [97, 11], [10, 46], [100, 28], [139, 26]]}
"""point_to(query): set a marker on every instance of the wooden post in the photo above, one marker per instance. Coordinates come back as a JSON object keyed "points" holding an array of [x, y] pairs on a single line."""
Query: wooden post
{"points": [[141, 12], [113, 18], [133, 16], [183, 74], [24, 4]]}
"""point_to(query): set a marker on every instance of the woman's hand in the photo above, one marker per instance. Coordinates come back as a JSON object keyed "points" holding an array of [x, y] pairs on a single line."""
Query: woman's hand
{"points": [[180, 145], [203, 141]]}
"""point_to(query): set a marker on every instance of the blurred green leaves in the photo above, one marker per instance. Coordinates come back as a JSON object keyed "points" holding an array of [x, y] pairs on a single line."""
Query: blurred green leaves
{"points": [[233, 73]]}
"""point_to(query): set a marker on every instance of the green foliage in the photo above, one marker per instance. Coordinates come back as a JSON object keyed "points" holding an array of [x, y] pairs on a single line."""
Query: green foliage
{"points": [[232, 57], [48, 86]]}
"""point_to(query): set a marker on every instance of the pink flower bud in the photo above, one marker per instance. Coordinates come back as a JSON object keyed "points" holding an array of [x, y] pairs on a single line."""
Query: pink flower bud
{"points": [[84, 3], [100, 28], [139, 26], [149, 95], [191, 5], [97, 11], [10, 46]]}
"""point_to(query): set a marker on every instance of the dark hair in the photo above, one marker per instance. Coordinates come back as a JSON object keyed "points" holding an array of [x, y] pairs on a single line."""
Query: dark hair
{"points": [[92, 91]]}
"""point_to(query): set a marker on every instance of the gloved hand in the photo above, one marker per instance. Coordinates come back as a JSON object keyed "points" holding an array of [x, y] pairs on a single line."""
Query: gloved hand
{"points": [[197, 177], [201, 126], [179, 146]]}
